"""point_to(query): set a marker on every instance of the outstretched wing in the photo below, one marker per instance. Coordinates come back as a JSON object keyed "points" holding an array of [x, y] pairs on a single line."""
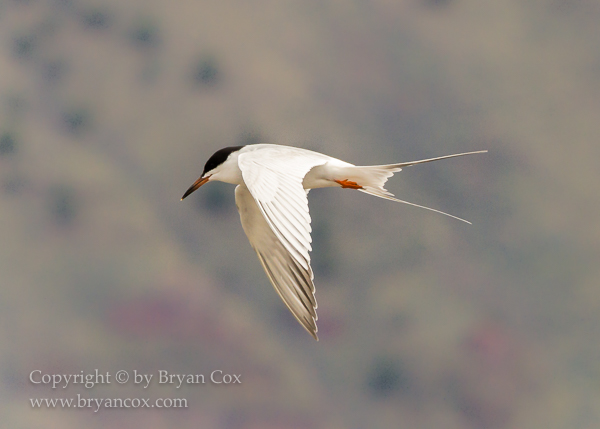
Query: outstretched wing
{"points": [[273, 208]]}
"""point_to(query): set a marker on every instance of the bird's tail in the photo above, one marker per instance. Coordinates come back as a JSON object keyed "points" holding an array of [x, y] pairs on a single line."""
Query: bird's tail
{"points": [[372, 178]]}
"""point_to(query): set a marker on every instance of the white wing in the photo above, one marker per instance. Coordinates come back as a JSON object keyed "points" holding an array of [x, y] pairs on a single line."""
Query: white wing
{"points": [[273, 209]]}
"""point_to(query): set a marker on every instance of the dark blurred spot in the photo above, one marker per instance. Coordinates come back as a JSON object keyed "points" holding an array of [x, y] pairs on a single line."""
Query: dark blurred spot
{"points": [[63, 206], [77, 120], [13, 186], [7, 144], [53, 70], [145, 34], [23, 46], [388, 377], [96, 19], [480, 410], [483, 413], [323, 254], [436, 3], [216, 198], [206, 72]]}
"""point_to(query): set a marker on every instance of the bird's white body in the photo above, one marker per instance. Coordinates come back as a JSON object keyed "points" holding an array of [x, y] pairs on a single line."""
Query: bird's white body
{"points": [[319, 177], [271, 196]]}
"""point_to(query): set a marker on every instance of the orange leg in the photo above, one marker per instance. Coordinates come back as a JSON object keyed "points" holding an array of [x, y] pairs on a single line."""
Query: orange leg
{"points": [[348, 184]]}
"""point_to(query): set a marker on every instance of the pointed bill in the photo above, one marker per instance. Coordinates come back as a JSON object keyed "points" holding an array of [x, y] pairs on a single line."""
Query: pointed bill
{"points": [[201, 181]]}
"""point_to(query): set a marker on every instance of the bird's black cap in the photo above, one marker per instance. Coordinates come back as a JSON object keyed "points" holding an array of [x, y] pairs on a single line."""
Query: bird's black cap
{"points": [[219, 157]]}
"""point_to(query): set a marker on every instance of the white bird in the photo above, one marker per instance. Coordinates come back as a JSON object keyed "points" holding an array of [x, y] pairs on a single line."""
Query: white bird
{"points": [[271, 196]]}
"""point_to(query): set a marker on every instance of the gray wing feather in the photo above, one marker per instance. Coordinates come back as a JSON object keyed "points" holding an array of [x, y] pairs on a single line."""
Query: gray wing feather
{"points": [[273, 207], [291, 279]]}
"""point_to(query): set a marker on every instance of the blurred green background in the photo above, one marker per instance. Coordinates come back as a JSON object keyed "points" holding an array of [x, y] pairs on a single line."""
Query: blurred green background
{"points": [[108, 112]]}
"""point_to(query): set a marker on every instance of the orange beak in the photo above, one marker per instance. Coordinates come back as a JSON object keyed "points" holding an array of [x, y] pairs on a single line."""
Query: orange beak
{"points": [[201, 181]]}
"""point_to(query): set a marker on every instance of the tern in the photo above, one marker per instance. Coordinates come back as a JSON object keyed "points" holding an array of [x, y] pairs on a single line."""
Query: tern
{"points": [[273, 182]]}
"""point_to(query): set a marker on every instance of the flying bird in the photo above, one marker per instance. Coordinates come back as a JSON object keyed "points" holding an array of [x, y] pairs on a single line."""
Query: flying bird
{"points": [[273, 182]]}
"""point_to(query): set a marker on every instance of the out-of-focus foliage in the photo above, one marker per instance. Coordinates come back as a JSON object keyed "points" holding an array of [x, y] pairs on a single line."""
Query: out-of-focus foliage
{"points": [[7, 144]]}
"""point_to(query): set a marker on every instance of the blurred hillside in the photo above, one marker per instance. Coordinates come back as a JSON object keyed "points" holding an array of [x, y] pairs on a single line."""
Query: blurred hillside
{"points": [[108, 111]]}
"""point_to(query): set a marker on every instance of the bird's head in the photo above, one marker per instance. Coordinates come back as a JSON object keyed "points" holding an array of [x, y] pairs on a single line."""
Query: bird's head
{"points": [[216, 168]]}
